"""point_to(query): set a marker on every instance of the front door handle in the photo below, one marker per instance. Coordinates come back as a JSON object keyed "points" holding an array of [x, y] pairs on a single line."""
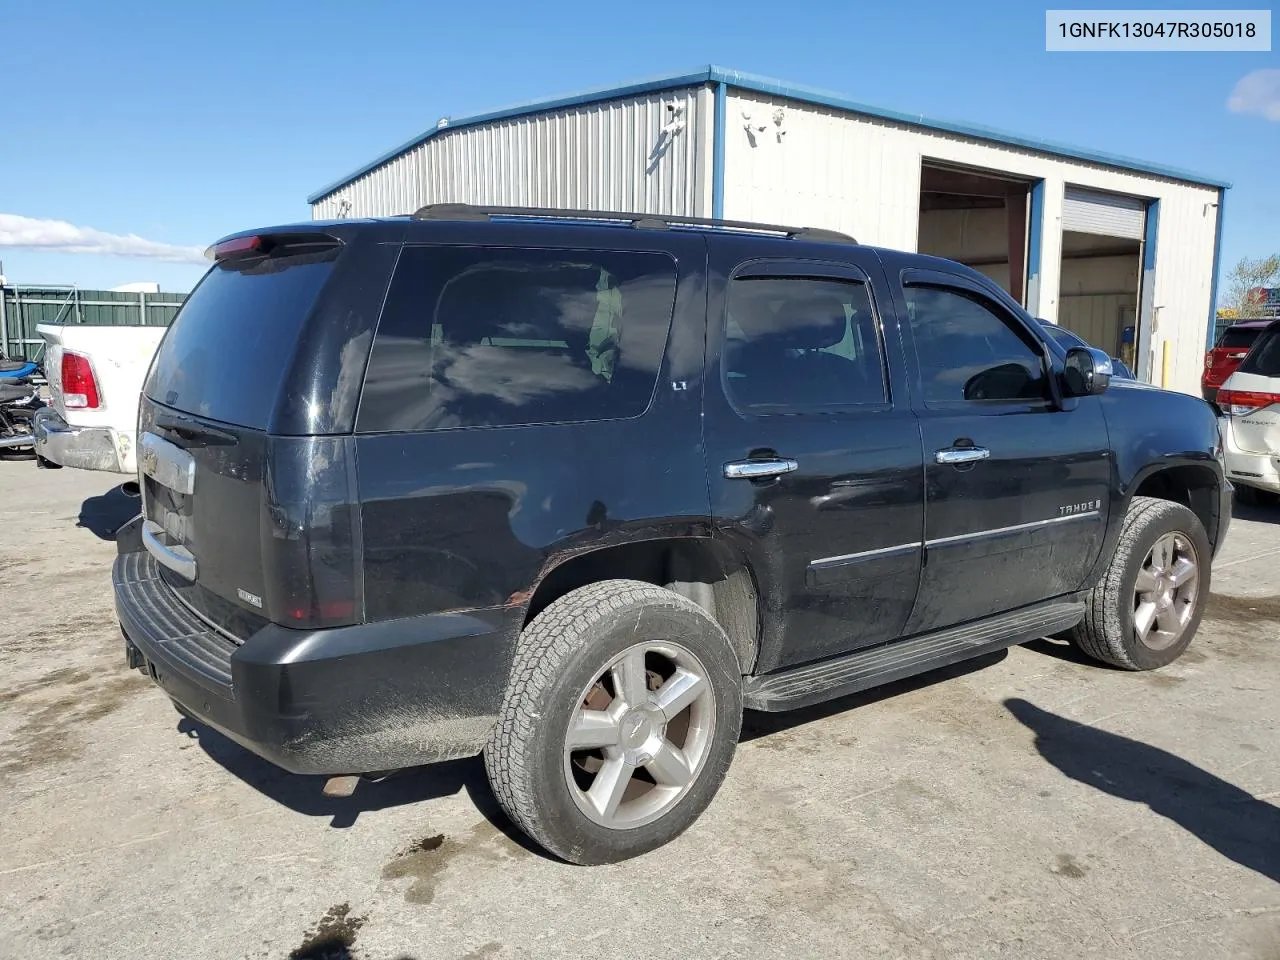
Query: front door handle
{"points": [[954, 455], [759, 469]]}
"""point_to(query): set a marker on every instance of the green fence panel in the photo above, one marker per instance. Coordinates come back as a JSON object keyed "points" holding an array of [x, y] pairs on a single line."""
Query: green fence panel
{"points": [[25, 308]]}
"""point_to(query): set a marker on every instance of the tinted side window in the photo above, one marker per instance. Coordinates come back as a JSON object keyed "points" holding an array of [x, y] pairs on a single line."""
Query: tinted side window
{"points": [[1264, 358], [801, 343], [1065, 338], [969, 353], [484, 337]]}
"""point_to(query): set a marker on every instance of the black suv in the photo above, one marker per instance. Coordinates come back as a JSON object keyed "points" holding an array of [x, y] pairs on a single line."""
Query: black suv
{"points": [[574, 489]]}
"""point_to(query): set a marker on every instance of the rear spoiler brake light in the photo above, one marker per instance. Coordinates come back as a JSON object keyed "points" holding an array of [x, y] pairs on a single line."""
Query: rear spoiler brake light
{"points": [[228, 248], [264, 244]]}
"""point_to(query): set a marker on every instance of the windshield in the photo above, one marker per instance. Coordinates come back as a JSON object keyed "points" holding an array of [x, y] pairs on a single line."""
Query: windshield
{"points": [[1238, 338], [231, 343]]}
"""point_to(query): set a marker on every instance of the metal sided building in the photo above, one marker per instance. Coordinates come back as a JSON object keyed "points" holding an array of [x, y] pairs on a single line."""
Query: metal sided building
{"points": [[1123, 252]]}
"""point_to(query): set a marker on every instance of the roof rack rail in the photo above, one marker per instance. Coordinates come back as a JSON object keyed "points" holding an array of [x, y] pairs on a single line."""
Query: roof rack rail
{"points": [[639, 221]]}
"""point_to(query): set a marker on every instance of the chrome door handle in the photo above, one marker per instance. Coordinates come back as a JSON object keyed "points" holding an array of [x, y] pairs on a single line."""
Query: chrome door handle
{"points": [[177, 559], [758, 469], [954, 455]]}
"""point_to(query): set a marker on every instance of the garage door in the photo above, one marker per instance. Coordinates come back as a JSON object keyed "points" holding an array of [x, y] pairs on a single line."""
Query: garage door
{"points": [[1108, 214]]}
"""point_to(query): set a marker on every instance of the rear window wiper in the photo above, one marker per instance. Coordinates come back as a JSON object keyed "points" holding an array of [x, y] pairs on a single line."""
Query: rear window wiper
{"points": [[195, 430]]}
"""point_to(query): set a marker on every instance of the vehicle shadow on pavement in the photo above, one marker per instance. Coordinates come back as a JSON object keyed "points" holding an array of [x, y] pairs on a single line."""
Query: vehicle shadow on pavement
{"points": [[1062, 649], [105, 514], [1235, 823], [1241, 511], [303, 794], [756, 725]]}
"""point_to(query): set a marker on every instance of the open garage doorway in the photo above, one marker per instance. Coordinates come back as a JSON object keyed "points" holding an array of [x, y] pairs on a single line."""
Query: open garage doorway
{"points": [[978, 218], [1098, 294], [1101, 280]]}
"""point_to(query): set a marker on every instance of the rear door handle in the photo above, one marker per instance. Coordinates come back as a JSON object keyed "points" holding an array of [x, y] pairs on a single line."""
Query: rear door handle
{"points": [[954, 455], [178, 559], [759, 469]]}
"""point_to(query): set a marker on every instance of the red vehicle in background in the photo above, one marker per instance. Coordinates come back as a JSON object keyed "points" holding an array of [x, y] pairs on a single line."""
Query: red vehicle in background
{"points": [[1221, 361]]}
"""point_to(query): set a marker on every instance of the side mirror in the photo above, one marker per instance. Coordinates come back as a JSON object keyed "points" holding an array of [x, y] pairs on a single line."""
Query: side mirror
{"points": [[1087, 372]]}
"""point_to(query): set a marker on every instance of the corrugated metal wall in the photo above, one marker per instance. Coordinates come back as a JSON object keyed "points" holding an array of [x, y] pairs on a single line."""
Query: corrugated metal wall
{"points": [[26, 307], [602, 156], [786, 162], [845, 171]]}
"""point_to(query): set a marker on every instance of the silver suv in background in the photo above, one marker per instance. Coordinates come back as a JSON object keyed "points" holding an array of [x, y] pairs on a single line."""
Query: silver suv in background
{"points": [[1250, 424]]}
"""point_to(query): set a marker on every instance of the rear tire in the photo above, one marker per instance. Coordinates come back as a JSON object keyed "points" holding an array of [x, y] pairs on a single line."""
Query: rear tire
{"points": [[1147, 607], [649, 682]]}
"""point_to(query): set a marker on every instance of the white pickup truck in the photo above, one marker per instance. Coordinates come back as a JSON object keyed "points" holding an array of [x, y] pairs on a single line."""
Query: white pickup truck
{"points": [[95, 376]]}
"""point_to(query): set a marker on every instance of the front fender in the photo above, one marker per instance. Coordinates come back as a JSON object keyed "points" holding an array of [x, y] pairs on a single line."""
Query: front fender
{"points": [[1154, 431]]}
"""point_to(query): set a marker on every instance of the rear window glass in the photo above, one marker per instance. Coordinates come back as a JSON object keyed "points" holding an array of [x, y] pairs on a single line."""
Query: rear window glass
{"points": [[227, 351], [486, 337], [1238, 337], [1264, 358]]}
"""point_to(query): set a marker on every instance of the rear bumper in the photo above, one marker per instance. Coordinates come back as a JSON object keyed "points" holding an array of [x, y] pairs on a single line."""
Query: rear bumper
{"points": [[85, 448], [1260, 470], [1253, 470], [345, 700]]}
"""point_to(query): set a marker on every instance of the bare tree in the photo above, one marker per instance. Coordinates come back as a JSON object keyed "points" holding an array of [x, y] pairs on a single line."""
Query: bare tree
{"points": [[1248, 275]]}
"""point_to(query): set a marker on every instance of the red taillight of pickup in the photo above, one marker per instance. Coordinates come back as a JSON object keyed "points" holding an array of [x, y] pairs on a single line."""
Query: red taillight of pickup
{"points": [[1240, 403], [79, 385]]}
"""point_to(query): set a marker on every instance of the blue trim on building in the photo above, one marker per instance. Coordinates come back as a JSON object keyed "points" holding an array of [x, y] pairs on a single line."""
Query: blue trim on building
{"points": [[1035, 237], [1150, 234], [1217, 265], [746, 81], [717, 152], [1146, 313]]}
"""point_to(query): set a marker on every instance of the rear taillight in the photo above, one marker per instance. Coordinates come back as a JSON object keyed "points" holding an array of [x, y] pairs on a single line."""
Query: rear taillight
{"points": [[1239, 403], [311, 544], [1208, 360], [79, 385]]}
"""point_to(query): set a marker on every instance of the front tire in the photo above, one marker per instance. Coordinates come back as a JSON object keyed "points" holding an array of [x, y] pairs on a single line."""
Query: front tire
{"points": [[1146, 608], [619, 723]]}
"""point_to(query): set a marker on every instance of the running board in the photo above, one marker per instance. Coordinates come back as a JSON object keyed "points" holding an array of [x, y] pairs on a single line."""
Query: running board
{"points": [[812, 683]]}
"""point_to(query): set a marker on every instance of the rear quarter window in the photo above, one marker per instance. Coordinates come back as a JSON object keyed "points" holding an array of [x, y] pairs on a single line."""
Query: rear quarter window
{"points": [[490, 337], [1264, 358]]}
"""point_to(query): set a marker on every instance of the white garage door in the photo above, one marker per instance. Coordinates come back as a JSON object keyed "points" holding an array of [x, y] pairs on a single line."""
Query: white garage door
{"points": [[1108, 214]]}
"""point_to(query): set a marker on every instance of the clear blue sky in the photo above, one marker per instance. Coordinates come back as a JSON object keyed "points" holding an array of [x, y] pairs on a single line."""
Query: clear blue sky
{"points": [[181, 122]]}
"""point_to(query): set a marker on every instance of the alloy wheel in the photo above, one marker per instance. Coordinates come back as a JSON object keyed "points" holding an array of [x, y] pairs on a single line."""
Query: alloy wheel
{"points": [[639, 735], [1164, 596]]}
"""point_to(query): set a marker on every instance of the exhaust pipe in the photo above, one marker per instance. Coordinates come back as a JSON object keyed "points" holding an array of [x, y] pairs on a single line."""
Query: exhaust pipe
{"points": [[22, 440], [345, 785]]}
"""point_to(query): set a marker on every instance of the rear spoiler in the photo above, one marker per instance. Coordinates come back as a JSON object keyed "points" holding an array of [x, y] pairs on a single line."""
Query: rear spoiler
{"points": [[265, 244]]}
